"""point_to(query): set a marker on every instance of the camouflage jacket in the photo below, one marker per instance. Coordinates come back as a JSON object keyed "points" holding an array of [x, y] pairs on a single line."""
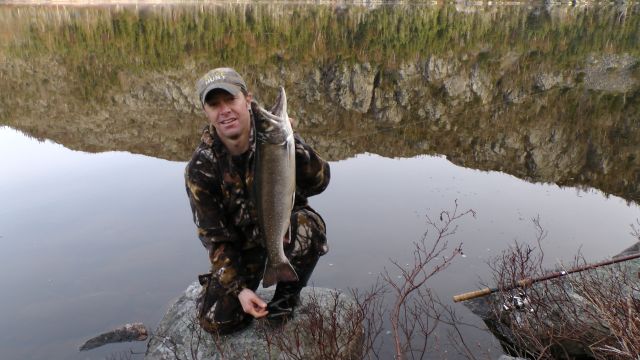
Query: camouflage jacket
{"points": [[219, 187]]}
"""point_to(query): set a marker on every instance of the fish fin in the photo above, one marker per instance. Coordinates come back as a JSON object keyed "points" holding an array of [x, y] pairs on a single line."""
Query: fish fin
{"points": [[281, 272]]}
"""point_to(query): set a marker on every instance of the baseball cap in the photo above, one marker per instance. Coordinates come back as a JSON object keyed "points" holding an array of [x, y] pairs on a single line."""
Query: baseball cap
{"points": [[221, 78]]}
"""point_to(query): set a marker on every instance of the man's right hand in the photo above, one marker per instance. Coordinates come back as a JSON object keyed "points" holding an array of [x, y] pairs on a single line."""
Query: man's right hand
{"points": [[252, 304]]}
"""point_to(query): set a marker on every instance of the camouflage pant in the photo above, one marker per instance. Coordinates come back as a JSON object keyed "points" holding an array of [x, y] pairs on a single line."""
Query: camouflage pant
{"points": [[220, 312]]}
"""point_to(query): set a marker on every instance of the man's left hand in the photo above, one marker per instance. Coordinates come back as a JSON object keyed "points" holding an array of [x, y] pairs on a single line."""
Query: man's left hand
{"points": [[252, 304]]}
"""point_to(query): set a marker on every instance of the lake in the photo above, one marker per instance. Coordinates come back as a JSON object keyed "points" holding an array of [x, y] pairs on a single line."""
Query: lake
{"points": [[515, 111]]}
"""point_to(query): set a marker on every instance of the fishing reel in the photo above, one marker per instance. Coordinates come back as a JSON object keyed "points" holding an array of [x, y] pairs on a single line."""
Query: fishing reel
{"points": [[517, 300]]}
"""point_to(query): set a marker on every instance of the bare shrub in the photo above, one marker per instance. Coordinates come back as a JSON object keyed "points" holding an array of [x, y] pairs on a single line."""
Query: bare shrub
{"points": [[635, 230], [612, 297], [591, 314], [197, 344], [340, 330], [371, 305], [414, 314], [332, 329]]}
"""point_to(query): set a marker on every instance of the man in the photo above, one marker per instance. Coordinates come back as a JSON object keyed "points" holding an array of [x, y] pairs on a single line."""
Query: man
{"points": [[219, 179]]}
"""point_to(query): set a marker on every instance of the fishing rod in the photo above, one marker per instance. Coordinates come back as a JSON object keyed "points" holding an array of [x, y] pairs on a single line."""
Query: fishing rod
{"points": [[529, 281]]}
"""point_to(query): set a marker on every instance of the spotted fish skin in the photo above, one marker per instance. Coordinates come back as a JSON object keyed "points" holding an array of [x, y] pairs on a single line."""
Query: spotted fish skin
{"points": [[274, 185]]}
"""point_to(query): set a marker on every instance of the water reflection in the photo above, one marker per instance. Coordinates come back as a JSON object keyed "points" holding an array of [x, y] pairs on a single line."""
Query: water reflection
{"points": [[104, 239], [545, 95], [83, 245]]}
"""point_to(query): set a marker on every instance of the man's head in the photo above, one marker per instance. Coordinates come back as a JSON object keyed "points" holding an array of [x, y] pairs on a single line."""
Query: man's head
{"points": [[221, 78], [227, 103]]}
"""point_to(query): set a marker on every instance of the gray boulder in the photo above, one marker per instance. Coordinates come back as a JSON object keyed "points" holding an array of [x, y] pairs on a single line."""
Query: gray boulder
{"points": [[325, 325], [572, 317]]}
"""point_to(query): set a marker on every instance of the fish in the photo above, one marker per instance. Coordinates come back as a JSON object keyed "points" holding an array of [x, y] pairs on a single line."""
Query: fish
{"points": [[274, 185]]}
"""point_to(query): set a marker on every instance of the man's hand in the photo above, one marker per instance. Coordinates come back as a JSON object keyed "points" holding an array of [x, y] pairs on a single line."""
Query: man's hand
{"points": [[252, 304]]}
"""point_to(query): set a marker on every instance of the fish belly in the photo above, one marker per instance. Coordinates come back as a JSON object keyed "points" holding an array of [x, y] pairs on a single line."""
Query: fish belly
{"points": [[275, 177]]}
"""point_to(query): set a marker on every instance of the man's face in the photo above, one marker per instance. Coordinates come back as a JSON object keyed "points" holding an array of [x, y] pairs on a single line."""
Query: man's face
{"points": [[229, 114]]}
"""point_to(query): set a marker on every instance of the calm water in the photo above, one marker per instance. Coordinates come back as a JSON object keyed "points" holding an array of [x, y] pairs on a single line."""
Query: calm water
{"points": [[514, 112]]}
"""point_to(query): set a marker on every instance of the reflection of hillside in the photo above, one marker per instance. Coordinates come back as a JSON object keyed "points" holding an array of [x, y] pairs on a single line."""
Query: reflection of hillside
{"points": [[544, 139], [556, 103]]}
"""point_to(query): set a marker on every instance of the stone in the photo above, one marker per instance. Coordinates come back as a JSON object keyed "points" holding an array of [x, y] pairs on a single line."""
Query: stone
{"points": [[407, 71], [324, 325], [480, 84], [352, 86], [438, 69], [610, 73], [514, 96], [458, 87], [545, 81], [127, 332], [522, 319]]}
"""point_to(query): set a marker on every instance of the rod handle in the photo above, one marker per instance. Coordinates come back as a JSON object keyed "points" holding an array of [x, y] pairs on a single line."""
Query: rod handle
{"points": [[472, 294]]}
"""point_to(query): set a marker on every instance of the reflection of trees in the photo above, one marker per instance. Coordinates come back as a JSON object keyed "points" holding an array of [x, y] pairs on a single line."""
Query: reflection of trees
{"points": [[542, 94], [96, 44], [570, 138]]}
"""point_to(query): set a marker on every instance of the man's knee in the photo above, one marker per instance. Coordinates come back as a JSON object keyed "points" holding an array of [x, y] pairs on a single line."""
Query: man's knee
{"points": [[224, 316], [309, 234], [219, 312]]}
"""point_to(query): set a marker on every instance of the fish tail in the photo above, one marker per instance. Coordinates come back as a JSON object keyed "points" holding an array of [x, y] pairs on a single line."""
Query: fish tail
{"points": [[280, 272]]}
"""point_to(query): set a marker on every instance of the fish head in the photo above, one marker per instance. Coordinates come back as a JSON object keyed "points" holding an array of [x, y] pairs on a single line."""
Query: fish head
{"points": [[273, 126]]}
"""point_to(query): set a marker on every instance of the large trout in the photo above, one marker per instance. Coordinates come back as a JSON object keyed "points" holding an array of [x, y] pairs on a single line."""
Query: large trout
{"points": [[274, 185]]}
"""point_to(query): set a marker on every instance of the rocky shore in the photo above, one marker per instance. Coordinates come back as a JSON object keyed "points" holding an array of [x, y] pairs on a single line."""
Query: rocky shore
{"points": [[323, 327]]}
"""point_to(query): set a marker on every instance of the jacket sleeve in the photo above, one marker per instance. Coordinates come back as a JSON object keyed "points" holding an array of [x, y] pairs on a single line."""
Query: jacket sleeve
{"points": [[220, 239], [312, 172]]}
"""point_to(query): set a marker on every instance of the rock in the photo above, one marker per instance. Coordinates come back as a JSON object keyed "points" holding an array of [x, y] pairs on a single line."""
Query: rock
{"points": [[310, 332], [408, 71], [311, 86], [515, 96], [385, 107], [635, 248], [480, 84], [610, 72], [545, 81], [523, 321], [438, 69], [458, 87], [352, 86], [127, 332]]}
